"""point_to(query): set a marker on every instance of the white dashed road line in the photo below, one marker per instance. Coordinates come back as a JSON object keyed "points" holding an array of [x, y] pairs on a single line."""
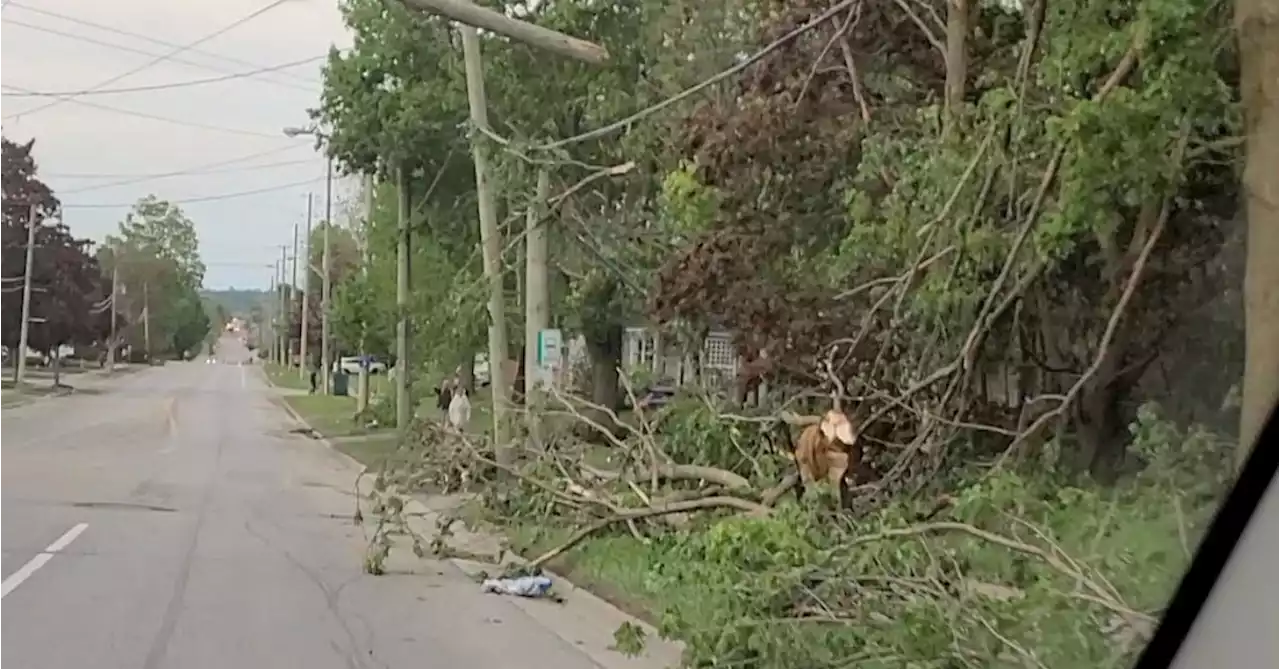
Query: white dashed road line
{"points": [[18, 577]]}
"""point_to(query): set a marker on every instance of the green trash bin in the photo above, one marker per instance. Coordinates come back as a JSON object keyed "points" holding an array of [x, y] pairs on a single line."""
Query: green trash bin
{"points": [[341, 383]]}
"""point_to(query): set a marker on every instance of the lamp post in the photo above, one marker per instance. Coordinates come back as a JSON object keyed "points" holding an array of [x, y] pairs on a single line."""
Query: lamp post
{"points": [[325, 262]]}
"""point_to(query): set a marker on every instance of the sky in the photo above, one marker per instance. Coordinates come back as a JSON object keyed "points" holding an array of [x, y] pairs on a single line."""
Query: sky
{"points": [[217, 149]]}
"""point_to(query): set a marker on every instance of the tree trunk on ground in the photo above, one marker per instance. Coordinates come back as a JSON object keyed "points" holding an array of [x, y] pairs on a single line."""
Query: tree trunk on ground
{"points": [[1256, 31]]}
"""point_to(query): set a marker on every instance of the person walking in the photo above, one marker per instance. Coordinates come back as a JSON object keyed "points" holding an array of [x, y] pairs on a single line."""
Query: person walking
{"points": [[444, 394]]}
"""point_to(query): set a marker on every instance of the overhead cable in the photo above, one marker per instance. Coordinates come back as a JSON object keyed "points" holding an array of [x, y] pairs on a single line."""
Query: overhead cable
{"points": [[160, 59], [310, 87], [130, 112], [207, 198], [182, 172], [197, 169], [171, 85], [148, 38]]}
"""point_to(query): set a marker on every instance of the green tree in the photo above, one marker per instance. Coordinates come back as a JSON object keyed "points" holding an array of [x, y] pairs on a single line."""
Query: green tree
{"points": [[69, 296], [162, 230], [398, 98], [156, 253]]}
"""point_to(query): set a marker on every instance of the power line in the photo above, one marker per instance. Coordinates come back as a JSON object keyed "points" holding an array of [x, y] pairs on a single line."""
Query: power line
{"points": [[128, 49], [147, 38], [190, 172], [173, 52], [207, 198], [130, 112], [193, 171], [176, 84]]}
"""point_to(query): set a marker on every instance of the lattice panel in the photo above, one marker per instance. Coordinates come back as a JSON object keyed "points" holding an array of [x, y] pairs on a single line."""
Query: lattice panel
{"points": [[718, 353]]}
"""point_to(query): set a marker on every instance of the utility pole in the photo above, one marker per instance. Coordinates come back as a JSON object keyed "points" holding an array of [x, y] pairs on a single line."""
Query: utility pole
{"points": [[272, 348], [362, 382], [20, 371], [325, 280], [286, 313], [115, 294], [491, 247], [303, 328], [146, 320], [284, 307], [293, 286], [403, 405], [537, 300], [473, 16], [470, 14]]}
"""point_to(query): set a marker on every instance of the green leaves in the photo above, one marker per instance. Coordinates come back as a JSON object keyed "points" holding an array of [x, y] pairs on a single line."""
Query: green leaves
{"points": [[688, 207], [158, 259], [398, 96]]}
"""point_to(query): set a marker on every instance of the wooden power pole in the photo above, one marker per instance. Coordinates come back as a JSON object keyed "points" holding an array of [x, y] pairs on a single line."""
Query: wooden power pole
{"points": [[537, 300], [362, 381], [472, 16], [404, 407], [326, 282], [491, 247], [293, 286], [146, 319], [115, 295], [24, 328], [303, 327], [284, 306], [269, 321]]}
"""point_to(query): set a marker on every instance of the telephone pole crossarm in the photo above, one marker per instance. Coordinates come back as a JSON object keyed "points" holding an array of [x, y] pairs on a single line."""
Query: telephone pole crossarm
{"points": [[546, 39]]}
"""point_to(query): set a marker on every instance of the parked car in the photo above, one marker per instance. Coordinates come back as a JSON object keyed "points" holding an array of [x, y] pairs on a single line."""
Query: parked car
{"points": [[350, 364]]}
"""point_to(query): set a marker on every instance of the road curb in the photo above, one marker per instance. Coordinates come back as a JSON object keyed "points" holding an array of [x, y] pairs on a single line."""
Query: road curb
{"points": [[584, 619], [297, 418]]}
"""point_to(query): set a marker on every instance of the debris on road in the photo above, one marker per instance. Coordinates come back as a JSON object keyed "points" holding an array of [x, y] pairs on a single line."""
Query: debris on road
{"points": [[525, 586]]}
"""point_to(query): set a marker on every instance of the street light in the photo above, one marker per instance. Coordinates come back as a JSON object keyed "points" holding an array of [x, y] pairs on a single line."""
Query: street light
{"points": [[325, 263]]}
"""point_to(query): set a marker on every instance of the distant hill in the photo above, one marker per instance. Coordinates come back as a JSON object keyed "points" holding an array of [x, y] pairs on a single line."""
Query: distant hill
{"points": [[237, 302]]}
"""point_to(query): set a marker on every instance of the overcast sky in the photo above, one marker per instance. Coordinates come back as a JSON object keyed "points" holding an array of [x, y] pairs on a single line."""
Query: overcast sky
{"points": [[226, 136]]}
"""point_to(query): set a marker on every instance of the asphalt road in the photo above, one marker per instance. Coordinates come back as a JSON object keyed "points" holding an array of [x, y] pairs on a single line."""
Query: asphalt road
{"points": [[173, 522]]}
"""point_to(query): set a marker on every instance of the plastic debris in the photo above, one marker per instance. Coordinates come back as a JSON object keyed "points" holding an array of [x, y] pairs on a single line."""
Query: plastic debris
{"points": [[525, 586]]}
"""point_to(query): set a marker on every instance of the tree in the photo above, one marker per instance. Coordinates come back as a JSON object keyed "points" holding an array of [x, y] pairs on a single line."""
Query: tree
{"points": [[344, 266], [69, 302], [163, 231], [398, 98], [1061, 213], [157, 257], [193, 325]]}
